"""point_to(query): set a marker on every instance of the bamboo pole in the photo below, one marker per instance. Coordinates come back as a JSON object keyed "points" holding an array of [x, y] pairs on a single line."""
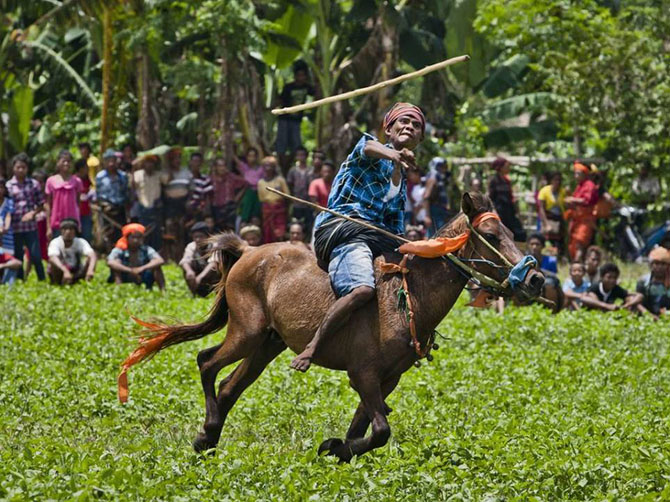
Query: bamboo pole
{"points": [[371, 88]]}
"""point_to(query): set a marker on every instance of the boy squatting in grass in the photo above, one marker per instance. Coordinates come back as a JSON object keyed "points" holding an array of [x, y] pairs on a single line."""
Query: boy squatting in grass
{"points": [[604, 293], [65, 256], [655, 286], [370, 186], [133, 261], [576, 286], [199, 267]]}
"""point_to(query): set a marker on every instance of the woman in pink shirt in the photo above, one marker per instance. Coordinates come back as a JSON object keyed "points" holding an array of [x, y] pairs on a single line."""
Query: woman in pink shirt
{"points": [[63, 192], [252, 172]]}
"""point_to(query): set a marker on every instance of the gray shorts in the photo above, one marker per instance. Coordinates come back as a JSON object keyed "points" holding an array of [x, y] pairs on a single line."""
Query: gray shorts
{"points": [[350, 267]]}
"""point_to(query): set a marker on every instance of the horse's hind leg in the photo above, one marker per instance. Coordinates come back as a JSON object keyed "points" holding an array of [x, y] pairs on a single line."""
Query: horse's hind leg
{"points": [[234, 384]]}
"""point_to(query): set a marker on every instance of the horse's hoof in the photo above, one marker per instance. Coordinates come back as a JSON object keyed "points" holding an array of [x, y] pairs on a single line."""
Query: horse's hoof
{"points": [[329, 444], [201, 443]]}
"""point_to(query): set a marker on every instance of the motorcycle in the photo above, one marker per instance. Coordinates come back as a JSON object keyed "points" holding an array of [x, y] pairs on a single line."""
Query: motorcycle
{"points": [[629, 243]]}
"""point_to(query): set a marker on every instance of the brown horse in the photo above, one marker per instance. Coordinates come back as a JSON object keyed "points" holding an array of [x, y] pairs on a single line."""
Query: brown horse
{"points": [[275, 296]]}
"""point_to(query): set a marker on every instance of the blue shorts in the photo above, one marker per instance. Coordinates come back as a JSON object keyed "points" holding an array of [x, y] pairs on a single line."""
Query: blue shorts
{"points": [[350, 267], [288, 135]]}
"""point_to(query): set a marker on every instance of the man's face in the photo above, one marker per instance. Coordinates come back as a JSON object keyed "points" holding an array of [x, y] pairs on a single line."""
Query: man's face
{"points": [[317, 161], [195, 163], [175, 160], [556, 182], [658, 268], [577, 272], [535, 247], [220, 167], [405, 132], [592, 262], [296, 233], [327, 173], [84, 151], [110, 163], [200, 239], [127, 153], [609, 280], [269, 170], [20, 170], [252, 238], [135, 240], [68, 234], [301, 156], [300, 77]]}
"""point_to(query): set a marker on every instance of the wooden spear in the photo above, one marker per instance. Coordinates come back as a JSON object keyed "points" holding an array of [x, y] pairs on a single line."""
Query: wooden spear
{"points": [[371, 88]]}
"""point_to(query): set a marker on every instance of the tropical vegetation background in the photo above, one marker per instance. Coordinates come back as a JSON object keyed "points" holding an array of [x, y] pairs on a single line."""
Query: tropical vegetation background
{"points": [[547, 77]]}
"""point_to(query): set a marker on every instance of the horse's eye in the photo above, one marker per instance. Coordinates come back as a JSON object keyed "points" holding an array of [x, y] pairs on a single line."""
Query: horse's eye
{"points": [[492, 238]]}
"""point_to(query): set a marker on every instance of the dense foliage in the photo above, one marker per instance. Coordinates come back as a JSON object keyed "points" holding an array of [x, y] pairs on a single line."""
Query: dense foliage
{"points": [[520, 407]]}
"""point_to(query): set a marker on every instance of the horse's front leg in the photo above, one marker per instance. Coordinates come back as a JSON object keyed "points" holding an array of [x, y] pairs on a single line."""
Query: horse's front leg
{"points": [[370, 389], [361, 421]]}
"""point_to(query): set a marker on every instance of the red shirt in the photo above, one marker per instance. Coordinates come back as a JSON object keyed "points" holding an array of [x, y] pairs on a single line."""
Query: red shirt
{"points": [[226, 188], [320, 190], [588, 191], [85, 205]]}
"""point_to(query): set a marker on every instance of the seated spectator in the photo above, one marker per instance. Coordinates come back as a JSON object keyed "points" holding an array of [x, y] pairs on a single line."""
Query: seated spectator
{"points": [[229, 189], [273, 205], [319, 189], [604, 293], [594, 257], [576, 286], [655, 286], [132, 261], [9, 267], [296, 235], [65, 256], [6, 211], [549, 267], [199, 268], [251, 234]]}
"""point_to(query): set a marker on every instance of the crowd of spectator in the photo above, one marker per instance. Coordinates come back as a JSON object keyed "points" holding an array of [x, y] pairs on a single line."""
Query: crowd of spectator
{"points": [[140, 212]]}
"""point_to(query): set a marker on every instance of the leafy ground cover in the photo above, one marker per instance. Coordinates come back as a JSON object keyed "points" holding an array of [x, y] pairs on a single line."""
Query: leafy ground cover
{"points": [[521, 407]]}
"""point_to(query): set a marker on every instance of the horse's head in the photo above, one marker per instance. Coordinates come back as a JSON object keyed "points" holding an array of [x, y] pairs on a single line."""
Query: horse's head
{"points": [[491, 250]]}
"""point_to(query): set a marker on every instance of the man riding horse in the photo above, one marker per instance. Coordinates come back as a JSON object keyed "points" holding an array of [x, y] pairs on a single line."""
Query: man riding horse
{"points": [[370, 186]]}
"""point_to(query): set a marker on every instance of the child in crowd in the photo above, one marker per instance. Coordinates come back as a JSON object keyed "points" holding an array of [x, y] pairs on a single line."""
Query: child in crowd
{"points": [[199, 269], [251, 234], [273, 205], [549, 267], [319, 189], [85, 215], [576, 286], [298, 180], [296, 235], [132, 261], [604, 293], [593, 260], [655, 286], [63, 191], [65, 256]]}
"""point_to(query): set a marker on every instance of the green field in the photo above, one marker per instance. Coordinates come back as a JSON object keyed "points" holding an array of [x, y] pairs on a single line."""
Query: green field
{"points": [[521, 407]]}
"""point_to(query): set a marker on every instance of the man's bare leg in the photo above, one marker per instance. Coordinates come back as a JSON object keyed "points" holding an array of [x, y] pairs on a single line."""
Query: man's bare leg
{"points": [[338, 314]]}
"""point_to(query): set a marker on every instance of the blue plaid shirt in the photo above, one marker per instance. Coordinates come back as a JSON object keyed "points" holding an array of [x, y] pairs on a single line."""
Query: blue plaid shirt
{"points": [[360, 188], [112, 190]]}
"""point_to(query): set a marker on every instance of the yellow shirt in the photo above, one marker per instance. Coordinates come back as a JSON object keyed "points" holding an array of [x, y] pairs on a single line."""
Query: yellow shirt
{"points": [[550, 201], [278, 183]]}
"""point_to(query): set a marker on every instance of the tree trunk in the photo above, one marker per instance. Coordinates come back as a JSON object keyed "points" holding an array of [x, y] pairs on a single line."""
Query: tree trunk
{"points": [[225, 107], [146, 131], [107, 42]]}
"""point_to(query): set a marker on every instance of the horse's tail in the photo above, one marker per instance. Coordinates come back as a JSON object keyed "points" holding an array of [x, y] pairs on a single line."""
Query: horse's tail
{"points": [[156, 336]]}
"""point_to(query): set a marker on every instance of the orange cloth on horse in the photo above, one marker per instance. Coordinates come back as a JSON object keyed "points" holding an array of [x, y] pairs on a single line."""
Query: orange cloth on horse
{"points": [[440, 246], [130, 228]]}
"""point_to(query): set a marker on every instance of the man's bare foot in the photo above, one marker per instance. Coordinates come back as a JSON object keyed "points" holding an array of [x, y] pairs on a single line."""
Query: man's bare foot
{"points": [[302, 361]]}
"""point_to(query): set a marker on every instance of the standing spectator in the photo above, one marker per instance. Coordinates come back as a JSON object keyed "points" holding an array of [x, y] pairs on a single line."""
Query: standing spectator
{"points": [[582, 219], [92, 162], [199, 267], [576, 286], [435, 200], [63, 191], [251, 234], [655, 286], [288, 125], [298, 179], [28, 202], [252, 172], [200, 197], [127, 157], [41, 219], [228, 189], [113, 197], [9, 267], [319, 189], [145, 181], [176, 182], [85, 217], [318, 158], [65, 256], [6, 212], [132, 261], [415, 207], [502, 196], [551, 206], [274, 206], [603, 294]]}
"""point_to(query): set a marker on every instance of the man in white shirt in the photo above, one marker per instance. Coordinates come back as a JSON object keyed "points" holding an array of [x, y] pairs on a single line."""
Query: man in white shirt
{"points": [[66, 253], [199, 269]]}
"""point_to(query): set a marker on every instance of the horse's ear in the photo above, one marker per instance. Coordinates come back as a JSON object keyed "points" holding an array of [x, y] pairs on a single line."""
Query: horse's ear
{"points": [[467, 205]]}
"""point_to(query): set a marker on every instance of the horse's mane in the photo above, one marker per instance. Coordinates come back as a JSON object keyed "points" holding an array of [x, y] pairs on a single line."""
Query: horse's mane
{"points": [[458, 224]]}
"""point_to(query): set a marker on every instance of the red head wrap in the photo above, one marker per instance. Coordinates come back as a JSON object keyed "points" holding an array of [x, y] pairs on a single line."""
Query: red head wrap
{"points": [[130, 228], [581, 168], [404, 109]]}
